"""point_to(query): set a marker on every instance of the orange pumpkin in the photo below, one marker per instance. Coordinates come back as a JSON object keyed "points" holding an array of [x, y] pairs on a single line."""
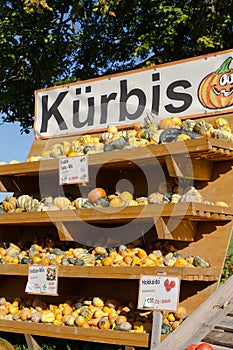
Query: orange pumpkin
{"points": [[107, 261], [215, 90], [96, 193], [166, 123], [137, 126]]}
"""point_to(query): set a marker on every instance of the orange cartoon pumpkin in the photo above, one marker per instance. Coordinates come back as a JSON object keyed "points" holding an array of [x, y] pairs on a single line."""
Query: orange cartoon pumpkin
{"points": [[216, 89]]}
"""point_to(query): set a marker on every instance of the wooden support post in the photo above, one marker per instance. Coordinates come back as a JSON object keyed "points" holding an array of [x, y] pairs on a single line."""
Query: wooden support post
{"points": [[189, 168], [156, 329], [63, 233], [31, 343], [175, 229]]}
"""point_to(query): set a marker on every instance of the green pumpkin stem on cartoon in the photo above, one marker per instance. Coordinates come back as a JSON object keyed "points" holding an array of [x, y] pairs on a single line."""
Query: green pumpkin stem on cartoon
{"points": [[224, 68]]}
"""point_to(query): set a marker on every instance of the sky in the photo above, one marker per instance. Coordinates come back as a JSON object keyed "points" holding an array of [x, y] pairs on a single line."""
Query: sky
{"points": [[14, 145]]}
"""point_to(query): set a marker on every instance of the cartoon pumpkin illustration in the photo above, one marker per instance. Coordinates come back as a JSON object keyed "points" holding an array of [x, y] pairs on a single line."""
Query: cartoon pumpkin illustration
{"points": [[216, 89]]}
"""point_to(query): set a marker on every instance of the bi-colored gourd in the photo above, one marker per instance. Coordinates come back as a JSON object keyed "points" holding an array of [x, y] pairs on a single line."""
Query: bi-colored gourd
{"points": [[166, 123], [21, 200], [203, 128], [33, 204], [9, 203]]}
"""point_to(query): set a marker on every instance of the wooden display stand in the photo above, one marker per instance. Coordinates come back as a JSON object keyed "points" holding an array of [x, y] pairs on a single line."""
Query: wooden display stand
{"points": [[194, 228]]}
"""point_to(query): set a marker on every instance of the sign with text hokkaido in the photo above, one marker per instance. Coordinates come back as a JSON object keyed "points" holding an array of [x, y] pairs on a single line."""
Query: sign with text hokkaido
{"points": [[188, 88]]}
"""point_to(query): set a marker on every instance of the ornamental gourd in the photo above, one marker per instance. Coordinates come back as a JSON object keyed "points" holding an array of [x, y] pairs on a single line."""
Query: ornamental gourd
{"points": [[21, 200], [61, 202], [222, 124], [96, 193], [9, 203], [216, 89], [5, 345], [192, 195], [32, 204]]}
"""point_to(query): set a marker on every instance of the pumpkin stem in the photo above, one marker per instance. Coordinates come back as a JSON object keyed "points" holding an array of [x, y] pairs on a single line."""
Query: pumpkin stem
{"points": [[224, 68]]}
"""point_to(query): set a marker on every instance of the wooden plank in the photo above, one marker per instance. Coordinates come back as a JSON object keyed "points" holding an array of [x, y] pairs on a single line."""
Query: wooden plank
{"points": [[219, 337], [63, 232], [217, 347], [151, 153], [202, 320], [116, 272], [156, 329], [76, 333], [31, 343], [226, 324], [124, 214]]}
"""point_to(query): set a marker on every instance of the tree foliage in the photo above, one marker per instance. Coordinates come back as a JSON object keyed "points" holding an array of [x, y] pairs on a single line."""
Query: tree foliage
{"points": [[46, 43]]}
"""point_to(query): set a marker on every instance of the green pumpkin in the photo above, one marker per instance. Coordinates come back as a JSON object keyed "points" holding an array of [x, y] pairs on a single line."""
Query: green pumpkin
{"points": [[199, 262], [79, 262], [88, 147], [103, 201], [88, 204], [108, 147], [119, 143], [165, 329]]}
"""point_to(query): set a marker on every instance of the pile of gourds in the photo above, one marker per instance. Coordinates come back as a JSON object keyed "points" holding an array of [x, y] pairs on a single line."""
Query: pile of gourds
{"points": [[11, 253], [96, 312], [152, 131], [171, 320], [99, 198]]}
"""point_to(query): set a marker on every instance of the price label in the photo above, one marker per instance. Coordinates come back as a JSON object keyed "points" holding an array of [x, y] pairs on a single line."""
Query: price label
{"points": [[42, 280], [73, 170], [159, 292]]}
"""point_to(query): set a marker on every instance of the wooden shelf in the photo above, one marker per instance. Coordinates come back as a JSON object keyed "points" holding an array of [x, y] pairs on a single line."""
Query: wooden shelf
{"points": [[188, 211], [120, 272], [202, 229], [76, 333], [208, 149]]}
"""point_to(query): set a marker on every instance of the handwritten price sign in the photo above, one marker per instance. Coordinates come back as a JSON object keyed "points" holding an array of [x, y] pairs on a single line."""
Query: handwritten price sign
{"points": [[73, 170], [42, 280], [159, 293]]}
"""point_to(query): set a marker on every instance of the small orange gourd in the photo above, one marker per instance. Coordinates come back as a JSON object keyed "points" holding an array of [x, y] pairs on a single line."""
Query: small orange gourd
{"points": [[104, 323], [96, 193]]}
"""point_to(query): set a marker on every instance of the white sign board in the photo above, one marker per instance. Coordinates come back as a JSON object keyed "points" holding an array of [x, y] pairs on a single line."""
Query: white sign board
{"points": [[73, 170], [159, 292], [182, 89], [42, 280]]}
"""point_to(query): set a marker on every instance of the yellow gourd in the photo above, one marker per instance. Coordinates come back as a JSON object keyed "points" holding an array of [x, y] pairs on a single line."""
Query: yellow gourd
{"points": [[9, 203], [61, 202]]}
